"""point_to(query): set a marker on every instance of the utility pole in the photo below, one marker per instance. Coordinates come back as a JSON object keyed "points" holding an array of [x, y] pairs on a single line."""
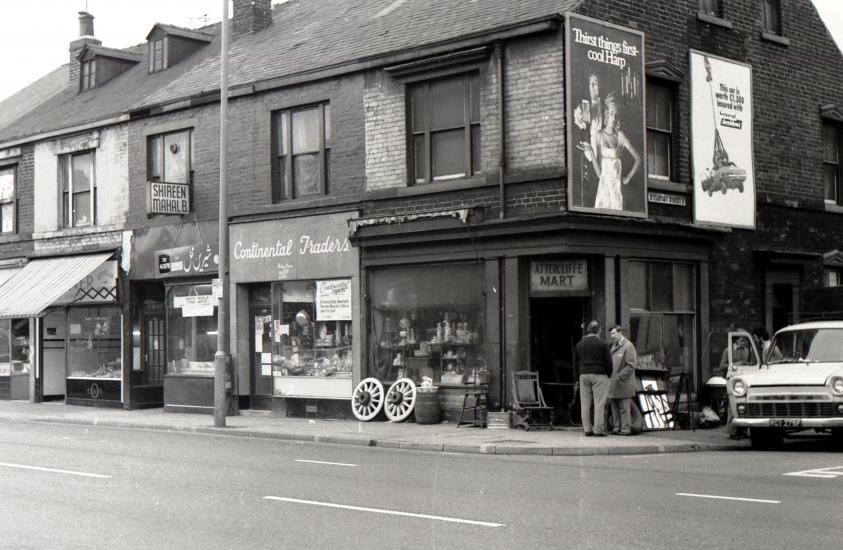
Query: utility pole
{"points": [[221, 358]]}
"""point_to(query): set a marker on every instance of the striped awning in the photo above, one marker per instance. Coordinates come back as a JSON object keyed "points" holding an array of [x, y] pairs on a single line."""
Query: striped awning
{"points": [[7, 273], [41, 282]]}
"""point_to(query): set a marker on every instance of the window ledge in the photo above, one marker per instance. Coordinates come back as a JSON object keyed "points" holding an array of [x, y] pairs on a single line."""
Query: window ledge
{"points": [[712, 20], [667, 185], [833, 207], [9, 237], [74, 231], [428, 188], [777, 38]]}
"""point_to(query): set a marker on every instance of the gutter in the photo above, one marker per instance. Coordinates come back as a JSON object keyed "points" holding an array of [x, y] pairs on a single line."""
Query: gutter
{"points": [[66, 131]]}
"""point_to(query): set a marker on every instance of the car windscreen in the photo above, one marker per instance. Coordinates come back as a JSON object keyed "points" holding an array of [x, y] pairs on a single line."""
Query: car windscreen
{"points": [[809, 346]]}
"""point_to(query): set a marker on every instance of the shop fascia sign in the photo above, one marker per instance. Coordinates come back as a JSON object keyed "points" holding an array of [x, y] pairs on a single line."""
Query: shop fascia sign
{"points": [[168, 198], [98, 287], [187, 260], [558, 276], [195, 304]]}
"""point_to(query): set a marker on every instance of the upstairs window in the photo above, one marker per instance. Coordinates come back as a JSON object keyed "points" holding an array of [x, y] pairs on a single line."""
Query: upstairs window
{"points": [[302, 152], [661, 121], [88, 75], [170, 157], [445, 129], [771, 16], [831, 163], [156, 55], [8, 176], [78, 189], [710, 7], [833, 277]]}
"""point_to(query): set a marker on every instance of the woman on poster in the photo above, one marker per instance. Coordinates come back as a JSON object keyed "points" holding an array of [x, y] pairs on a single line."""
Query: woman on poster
{"points": [[611, 142]]}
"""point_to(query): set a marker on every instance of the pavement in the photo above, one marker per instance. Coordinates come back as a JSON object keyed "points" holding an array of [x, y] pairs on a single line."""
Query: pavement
{"points": [[442, 437]]}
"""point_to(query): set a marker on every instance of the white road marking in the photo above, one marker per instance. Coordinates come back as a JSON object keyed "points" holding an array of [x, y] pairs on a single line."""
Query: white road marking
{"points": [[761, 500], [381, 511], [823, 473], [53, 470], [328, 463]]}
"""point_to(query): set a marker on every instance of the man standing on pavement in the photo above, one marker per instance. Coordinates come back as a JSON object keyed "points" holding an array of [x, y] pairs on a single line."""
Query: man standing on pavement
{"points": [[595, 364], [622, 384]]}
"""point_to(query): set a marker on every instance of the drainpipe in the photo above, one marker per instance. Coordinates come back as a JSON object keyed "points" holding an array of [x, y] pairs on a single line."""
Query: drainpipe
{"points": [[499, 56]]}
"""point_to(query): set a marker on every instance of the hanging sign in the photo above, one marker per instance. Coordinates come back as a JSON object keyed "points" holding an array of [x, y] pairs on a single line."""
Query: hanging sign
{"points": [[196, 305], [168, 198]]}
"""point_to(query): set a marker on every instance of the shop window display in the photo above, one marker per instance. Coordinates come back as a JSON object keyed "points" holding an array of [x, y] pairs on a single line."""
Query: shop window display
{"points": [[94, 342], [310, 333], [191, 330], [425, 326], [14, 346]]}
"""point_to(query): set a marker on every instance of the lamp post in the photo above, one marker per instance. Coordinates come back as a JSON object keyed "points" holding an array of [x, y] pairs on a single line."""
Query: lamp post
{"points": [[221, 358]]}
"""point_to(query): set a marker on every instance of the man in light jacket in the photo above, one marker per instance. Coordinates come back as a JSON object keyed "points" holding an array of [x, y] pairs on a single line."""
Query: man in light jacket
{"points": [[622, 384]]}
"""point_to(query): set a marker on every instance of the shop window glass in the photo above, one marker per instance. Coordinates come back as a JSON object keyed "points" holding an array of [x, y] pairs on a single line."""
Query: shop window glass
{"points": [[14, 346], [94, 335], [5, 345], [311, 330], [683, 287], [191, 329], [636, 285], [424, 325], [661, 287]]}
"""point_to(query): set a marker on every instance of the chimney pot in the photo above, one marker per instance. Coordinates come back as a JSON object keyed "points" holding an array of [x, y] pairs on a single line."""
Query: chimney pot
{"points": [[86, 24]]}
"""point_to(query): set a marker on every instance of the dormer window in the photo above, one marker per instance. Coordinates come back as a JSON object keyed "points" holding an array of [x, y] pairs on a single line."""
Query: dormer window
{"points": [[88, 75], [156, 55], [168, 45]]}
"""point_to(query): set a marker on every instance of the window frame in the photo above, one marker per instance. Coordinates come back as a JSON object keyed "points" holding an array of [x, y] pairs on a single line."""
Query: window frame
{"points": [[711, 8], [162, 157], [283, 186], [771, 17], [67, 193], [154, 66], [88, 74], [671, 132], [472, 163], [833, 166], [13, 168]]}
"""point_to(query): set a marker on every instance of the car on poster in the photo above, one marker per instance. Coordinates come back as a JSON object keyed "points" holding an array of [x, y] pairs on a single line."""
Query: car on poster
{"points": [[797, 385]]}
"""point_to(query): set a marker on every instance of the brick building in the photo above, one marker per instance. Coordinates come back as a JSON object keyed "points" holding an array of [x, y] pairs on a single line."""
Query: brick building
{"points": [[409, 194]]}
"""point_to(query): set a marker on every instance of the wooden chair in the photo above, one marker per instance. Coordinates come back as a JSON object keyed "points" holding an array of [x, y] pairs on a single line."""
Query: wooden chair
{"points": [[528, 402]]}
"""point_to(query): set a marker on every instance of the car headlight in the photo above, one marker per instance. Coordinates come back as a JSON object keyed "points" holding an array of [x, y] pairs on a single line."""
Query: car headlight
{"points": [[738, 388], [837, 385]]}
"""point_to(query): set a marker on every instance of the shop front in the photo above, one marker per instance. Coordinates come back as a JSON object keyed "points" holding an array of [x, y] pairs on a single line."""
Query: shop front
{"points": [[174, 317], [65, 313], [468, 304], [295, 295]]}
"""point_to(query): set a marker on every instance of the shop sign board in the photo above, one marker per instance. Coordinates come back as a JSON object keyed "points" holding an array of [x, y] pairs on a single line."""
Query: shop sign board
{"points": [[312, 247], [666, 198], [168, 198], [100, 286], [604, 79], [216, 288], [721, 141], [333, 300], [558, 276], [186, 261]]}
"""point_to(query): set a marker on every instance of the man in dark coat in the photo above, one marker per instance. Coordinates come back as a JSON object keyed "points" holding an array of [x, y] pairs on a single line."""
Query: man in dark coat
{"points": [[622, 383], [595, 364]]}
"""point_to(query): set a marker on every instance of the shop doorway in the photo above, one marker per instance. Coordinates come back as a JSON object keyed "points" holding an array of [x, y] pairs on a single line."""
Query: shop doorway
{"points": [[556, 325], [54, 355]]}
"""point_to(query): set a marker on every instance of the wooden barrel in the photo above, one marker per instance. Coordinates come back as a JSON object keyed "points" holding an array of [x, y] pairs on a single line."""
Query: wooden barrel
{"points": [[427, 406]]}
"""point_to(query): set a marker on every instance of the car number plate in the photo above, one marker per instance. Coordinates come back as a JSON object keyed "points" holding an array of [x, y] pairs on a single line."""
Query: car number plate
{"points": [[786, 422]]}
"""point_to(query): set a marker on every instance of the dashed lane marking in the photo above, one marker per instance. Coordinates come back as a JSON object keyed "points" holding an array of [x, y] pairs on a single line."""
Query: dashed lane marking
{"points": [[381, 511], [719, 497], [52, 470], [327, 463], [822, 473]]}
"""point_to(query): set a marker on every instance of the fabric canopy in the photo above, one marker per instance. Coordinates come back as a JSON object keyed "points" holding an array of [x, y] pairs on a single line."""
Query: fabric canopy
{"points": [[7, 273], [41, 282]]}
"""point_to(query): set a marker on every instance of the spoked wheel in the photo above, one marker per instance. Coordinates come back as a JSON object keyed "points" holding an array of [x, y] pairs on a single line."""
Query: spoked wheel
{"points": [[400, 400], [367, 400]]}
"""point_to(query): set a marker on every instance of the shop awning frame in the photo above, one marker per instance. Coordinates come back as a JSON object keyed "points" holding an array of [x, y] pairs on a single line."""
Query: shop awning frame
{"points": [[43, 281]]}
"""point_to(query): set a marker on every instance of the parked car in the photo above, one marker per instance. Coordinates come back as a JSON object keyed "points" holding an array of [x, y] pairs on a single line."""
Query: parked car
{"points": [[798, 386]]}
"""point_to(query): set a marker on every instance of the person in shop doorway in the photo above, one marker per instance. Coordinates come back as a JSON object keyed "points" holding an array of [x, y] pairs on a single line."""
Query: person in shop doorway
{"points": [[622, 383], [595, 365]]}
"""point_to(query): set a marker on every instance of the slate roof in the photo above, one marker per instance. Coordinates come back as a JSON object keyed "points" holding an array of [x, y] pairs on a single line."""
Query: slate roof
{"points": [[306, 35]]}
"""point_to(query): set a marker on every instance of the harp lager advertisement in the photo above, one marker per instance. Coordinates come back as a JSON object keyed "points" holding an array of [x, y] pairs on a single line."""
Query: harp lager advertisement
{"points": [[721, 146]]}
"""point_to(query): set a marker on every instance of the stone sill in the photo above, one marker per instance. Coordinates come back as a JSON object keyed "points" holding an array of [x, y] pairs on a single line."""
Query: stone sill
{"points": [[832, 207], [712, 20], [657, 184], [777, 38]]}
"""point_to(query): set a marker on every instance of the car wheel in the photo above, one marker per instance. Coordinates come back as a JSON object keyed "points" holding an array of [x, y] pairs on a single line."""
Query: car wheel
{"points": [[765, 438]]}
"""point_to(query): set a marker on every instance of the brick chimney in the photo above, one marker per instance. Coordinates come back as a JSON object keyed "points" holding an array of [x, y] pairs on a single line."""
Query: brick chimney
{"points": [[250, 16], [86, 36]]}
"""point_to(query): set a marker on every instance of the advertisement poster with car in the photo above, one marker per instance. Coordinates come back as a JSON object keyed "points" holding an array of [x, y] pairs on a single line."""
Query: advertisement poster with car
{"points": [[721, 145], [605, 118]]}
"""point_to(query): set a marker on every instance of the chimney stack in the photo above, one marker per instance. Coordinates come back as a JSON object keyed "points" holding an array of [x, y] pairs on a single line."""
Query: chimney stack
{"points": [[250, 16], [86, 36]]}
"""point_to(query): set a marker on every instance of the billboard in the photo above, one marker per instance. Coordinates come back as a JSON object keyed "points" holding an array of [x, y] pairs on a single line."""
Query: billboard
{"points": [[604, 69], [721, 141]]}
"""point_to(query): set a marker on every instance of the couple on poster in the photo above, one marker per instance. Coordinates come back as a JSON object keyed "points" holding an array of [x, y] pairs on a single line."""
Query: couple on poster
{"points": [[606, 132]]}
